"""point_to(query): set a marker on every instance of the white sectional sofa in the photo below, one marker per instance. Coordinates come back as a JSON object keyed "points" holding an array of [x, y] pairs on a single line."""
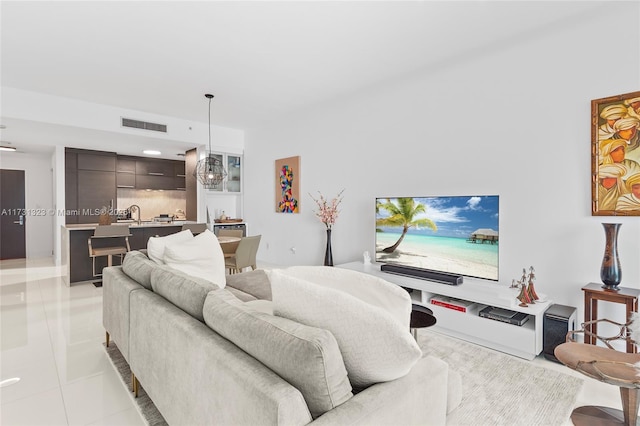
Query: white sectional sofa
{"points": [[255, 368]]}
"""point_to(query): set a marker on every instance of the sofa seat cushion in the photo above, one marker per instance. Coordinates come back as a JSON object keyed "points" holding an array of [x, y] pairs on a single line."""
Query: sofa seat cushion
{"points": [[374, 345], [255, 283], [306, 357], [138, 267], [186, 292], [200, 256], [156, 245]]}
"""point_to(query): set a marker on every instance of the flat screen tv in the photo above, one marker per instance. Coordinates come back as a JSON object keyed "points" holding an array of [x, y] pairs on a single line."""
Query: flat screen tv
{"points": [[456, 235]]}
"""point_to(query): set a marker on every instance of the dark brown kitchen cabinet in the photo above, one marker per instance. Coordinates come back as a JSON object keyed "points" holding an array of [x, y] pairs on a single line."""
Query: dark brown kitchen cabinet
{"points": [[125, 180], [179, 168], [154, 167], [160, 231], [180, 177], [137, 240], [71, 186], [191, 160], [79, 267], [70, 160], [92, 179], [96, 190], [90, 184], [140, 236], [179, 183], [155, 182], [159, 174], [100, 161], [126, 164]]}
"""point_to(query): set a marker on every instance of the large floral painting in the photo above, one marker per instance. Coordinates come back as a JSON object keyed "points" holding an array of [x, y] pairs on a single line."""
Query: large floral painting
{"points": [[615, 155], [288, 185]]}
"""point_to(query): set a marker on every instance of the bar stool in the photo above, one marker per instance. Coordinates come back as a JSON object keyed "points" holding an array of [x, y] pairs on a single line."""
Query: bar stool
{"points": [[101, 233]]}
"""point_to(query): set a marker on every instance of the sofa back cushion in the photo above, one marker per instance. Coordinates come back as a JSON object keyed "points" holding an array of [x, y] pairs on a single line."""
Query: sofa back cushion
{"points": [[138, 267], [200, 256], [306, 357], [374, 345], [186, 292]]}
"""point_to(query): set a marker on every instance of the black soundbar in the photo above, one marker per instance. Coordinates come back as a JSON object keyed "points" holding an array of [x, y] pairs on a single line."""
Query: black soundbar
{"points": [[425, 274]]}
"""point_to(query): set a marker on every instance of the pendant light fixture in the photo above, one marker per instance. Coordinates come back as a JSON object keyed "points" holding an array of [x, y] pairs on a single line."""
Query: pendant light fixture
{"points": [[210, 171]]}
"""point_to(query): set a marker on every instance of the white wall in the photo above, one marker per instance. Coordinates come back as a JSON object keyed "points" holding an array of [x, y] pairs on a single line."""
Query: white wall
{"points": [[43, 108], [512, 119], [38, 199]]}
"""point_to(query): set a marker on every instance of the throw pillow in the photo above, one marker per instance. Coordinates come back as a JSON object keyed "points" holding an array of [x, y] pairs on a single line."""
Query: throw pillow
{"points": [[366, 287], [375, 347], [156, 245], [201, 256], [306, 357], [256, 283]]}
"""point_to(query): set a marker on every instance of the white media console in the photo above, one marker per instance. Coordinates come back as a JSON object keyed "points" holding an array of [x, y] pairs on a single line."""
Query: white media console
{"points": [[523, 341]]}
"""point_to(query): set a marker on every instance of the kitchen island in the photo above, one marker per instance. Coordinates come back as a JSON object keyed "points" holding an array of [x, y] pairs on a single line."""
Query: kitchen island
{"points": [[75, 250]]}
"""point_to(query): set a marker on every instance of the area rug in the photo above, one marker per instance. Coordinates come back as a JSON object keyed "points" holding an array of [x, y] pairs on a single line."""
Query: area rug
{"points": [[500, 389], [497, 389], [145, 406]]}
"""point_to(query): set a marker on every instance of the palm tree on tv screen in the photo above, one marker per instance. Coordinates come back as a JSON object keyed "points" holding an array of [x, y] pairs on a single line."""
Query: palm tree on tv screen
{"points": [[403, 214]]}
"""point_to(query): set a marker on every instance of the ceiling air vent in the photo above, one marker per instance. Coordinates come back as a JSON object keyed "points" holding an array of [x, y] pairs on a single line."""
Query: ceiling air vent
{"points": [[137, 124]]}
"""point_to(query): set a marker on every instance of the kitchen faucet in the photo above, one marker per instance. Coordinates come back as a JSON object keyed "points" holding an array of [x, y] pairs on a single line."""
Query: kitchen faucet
{"points": [[139, 215]]}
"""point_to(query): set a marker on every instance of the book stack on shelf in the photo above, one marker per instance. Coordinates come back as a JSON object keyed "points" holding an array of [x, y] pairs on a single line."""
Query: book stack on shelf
{"points": [[459, 305], [504, 315]]}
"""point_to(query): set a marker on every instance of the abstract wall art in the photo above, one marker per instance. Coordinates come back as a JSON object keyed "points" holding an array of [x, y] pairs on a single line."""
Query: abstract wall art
{"points": [[288, 185]]}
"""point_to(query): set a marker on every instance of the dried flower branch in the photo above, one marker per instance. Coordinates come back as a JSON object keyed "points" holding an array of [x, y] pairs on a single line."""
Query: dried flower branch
{"points": [[327, 210]]}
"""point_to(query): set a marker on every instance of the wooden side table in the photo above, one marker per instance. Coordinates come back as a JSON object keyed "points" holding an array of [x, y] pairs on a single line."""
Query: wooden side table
{"points": [[594, 292]]}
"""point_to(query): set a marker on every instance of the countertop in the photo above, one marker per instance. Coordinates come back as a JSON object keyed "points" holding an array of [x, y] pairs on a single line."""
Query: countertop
{"points": [[132, 224]]}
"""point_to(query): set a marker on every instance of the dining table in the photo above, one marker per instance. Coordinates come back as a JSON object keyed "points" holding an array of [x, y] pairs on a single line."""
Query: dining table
{"points": [[227, 240]]}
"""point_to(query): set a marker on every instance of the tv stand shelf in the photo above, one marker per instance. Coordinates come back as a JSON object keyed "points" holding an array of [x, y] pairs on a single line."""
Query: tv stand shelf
{"points": [[522, 341]]}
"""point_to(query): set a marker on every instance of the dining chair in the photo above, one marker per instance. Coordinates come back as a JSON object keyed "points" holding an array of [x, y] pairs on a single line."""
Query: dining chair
{"points": [[245, 255], [229, 249]]}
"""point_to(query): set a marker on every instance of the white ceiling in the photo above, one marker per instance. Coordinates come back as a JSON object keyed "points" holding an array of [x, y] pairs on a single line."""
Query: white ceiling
{"points": [[262, 60]]}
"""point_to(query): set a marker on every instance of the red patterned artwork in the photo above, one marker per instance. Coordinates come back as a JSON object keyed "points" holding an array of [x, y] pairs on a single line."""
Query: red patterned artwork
{"points": [[615, 155]]}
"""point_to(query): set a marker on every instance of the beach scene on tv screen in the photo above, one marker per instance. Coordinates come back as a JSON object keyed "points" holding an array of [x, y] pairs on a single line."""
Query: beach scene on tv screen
{"points": [[457, 234]]}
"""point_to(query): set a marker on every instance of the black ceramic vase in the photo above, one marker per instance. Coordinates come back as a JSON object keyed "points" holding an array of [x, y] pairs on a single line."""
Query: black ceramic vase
{"points": [[328, 257], [610, 272]]}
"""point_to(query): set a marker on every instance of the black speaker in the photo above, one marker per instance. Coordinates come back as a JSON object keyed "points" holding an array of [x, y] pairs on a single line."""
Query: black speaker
{"points": [[558, 321], [425, 274]]}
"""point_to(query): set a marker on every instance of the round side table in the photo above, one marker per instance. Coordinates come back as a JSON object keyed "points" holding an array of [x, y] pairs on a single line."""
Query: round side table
{"points": [[421, 317]]}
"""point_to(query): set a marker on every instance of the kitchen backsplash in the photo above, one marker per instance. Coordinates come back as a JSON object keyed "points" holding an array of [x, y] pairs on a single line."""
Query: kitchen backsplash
{"points": [[152, 203]]}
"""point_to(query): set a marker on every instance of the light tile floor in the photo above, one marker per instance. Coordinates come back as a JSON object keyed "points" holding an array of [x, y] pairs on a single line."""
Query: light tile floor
{"points": [[52, 336]]}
